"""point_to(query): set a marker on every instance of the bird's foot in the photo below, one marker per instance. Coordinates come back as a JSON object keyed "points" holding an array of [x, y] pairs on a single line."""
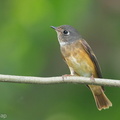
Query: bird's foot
{"points": [[92, 78], [66, 75]]}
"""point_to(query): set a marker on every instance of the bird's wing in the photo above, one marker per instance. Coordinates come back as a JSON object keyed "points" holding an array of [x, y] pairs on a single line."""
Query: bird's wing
{"points": [[89, 51]]}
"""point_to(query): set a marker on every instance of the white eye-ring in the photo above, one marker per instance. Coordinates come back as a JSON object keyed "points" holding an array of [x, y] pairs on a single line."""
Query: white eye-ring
{"points": [[66, 32]]}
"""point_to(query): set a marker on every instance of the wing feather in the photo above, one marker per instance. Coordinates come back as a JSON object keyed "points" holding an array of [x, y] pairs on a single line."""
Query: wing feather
{"points": [[88, 49]]}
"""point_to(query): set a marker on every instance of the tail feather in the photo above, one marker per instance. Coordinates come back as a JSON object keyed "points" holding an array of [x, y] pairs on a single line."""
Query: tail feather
{"points": [[102, 102]]}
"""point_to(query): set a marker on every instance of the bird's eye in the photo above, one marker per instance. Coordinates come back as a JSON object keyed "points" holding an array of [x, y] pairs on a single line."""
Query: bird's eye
{"points": [[66, 32]]}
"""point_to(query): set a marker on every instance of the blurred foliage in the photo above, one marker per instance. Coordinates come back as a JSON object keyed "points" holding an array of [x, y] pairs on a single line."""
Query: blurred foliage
{"points": [[28, 46]]}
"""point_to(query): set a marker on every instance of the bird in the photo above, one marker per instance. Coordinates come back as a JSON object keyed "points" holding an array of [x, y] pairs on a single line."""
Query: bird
{"points": [[81, 61]]}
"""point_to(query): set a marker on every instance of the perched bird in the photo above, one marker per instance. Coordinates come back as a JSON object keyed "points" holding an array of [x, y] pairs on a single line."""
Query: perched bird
{"points": [[81, 61]]}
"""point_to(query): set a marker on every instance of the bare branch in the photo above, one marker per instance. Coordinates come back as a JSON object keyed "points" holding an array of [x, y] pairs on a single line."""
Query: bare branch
{"points": [[59, 79]]}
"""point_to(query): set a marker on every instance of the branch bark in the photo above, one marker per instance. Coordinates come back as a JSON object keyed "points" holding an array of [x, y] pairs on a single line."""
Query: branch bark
{"points": [[59, 79]]}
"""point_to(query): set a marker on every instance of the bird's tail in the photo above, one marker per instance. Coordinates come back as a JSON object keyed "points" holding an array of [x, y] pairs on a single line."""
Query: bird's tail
{"points": [[102, 102]]}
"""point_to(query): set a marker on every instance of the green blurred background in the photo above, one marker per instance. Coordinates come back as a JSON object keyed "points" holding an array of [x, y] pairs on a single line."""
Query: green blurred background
{"points": [[29, 47]]}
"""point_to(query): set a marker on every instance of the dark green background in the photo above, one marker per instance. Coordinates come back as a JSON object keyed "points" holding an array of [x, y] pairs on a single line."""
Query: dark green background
{"points": [[29, 47]]}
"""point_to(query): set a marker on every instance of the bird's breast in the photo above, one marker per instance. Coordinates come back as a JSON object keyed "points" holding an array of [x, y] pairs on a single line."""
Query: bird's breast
{"points": [[79, 60]]}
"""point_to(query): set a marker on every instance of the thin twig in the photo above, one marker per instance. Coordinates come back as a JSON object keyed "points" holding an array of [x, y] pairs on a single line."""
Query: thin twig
{"points": [[59, 79]]}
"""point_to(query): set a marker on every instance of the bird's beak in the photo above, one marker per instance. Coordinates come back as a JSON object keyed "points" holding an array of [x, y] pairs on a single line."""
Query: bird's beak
{"points": [[54, 27]]}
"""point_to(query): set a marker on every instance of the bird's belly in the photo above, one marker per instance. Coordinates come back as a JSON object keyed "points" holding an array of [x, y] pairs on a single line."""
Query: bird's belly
{"points": [[81, 64]]}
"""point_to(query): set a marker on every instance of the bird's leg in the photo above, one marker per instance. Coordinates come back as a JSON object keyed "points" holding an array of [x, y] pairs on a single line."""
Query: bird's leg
{"points": [[72, 73], [92, 78]]}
